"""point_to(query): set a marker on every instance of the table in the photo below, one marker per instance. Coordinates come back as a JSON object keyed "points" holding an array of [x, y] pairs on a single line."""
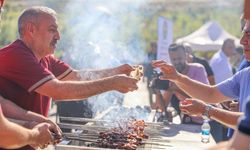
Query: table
{"points": [[180, 137]]}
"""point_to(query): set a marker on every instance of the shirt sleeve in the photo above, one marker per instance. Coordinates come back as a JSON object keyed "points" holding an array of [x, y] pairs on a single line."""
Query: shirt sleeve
{"points": [[231, 86]]}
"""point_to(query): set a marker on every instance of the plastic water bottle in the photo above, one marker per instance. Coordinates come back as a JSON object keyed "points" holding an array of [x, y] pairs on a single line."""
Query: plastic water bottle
{"points": [[205, 132]]}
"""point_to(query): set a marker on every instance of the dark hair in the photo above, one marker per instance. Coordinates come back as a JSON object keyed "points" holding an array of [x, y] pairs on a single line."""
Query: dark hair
{"points": [[174, 47]]}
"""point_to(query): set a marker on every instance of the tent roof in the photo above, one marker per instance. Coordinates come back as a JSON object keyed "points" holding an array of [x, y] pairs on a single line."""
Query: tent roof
{"points": [[208, 37]]}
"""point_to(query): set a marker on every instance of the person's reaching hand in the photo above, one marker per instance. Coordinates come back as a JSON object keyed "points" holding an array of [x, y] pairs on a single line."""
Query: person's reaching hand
{"points": [[41, 135], [124, 84], [168, 70], [192, 107]]}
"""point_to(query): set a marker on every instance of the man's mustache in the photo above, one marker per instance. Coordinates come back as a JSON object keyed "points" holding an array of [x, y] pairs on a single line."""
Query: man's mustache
{"points": [[54, 42]]}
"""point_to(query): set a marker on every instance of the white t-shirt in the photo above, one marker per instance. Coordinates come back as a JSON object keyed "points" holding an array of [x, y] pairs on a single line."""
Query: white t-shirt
{"points": [[221, 67]]}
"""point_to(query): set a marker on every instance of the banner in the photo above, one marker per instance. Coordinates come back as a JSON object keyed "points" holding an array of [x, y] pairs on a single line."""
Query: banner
{"points": [[165, 38]]}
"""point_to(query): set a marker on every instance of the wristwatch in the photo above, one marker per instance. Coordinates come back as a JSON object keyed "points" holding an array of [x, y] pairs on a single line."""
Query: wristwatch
{"points": [[205, 114]]}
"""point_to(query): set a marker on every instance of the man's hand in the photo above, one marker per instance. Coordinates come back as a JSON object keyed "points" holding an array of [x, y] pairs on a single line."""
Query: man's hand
{"points": [[55, 129], [192, 107], [124, 84], [124, 69], [41, 135], [169, 71], [137, 73], [231, 105], [234, 106]]}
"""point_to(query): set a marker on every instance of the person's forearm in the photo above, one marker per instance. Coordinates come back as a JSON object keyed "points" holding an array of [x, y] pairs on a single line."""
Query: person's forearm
{"points": [[199, 90], [19, 122], [13, 135], [86, 75], [72, 90], [225, 117], [97, 74], [11, 110], [24, 123], [181, 95]]}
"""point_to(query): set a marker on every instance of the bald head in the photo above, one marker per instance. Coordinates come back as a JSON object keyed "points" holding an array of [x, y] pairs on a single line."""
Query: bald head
{"points": [[228, 47], [33, 15]]}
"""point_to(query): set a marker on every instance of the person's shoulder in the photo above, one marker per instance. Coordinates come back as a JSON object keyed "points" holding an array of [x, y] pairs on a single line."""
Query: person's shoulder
{"points": [[244, 73], [215, 61], [15, 47], [200, 59], [196, 65], [247, 69], [16, 51]]}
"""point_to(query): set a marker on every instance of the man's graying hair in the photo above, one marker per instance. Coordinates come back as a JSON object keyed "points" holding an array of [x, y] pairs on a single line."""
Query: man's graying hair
{"points": [[32, 15]]}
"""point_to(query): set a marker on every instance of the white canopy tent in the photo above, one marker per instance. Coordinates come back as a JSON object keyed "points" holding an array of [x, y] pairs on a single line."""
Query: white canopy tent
{"points": [[209, 37]]}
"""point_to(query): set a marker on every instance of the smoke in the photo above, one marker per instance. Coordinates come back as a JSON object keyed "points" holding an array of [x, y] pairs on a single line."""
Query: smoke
{"points": [[104, 34]]}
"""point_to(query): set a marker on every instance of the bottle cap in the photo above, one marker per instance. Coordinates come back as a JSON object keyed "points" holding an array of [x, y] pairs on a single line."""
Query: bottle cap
{"points": [[206, 121]]}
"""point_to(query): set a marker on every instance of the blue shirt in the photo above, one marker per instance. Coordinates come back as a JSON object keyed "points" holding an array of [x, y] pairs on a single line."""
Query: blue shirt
{"points": [[237, 87], [244, 123]]}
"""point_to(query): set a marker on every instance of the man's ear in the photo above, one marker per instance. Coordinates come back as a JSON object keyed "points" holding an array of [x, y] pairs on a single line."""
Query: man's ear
{"points": [[30, 28]]}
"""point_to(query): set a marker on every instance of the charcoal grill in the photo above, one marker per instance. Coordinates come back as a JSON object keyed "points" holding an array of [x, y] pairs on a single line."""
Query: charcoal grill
{"points": [[85, 133]]}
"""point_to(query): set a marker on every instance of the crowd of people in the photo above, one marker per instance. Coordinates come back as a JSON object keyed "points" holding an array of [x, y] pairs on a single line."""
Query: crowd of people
{"points": [[31, 76]]}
